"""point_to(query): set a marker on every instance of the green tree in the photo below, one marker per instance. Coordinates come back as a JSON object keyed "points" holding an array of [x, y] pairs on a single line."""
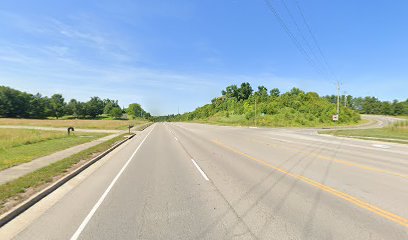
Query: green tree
{"points": [[70, 107], [371, 105], [295, 91], [262, 93], [398, 108], [274, 92], [38, 106], [80, 110], [244, 91], [293, 108], [94, 107], [109, 105], [231, 91], [57, 105], [357, 103], [14, 103], [116, 112], [134, 110], [386, 108]]}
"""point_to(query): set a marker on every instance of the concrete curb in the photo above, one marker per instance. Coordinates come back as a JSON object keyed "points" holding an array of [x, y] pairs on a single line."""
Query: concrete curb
{"points": [[10, 215], [143, 126]]}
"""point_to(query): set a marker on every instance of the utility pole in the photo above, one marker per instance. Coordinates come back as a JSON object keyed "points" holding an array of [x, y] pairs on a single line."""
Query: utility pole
{"points": [[338, 99], [255, 111], [345, 99], [228, 106]]}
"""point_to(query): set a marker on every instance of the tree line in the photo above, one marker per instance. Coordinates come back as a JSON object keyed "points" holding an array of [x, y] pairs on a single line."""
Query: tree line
{"points": [[18, 104], [372, 105], [244, 106]]}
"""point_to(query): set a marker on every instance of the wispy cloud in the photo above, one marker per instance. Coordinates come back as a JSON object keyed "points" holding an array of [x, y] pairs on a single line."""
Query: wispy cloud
{"points": [[79, 57], [85, 36]]}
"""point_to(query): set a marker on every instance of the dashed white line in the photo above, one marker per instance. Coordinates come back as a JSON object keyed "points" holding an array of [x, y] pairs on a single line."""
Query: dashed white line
{"points": [[199, 169], [96, 206], [380, 146], [176, 138], [280, 140]]}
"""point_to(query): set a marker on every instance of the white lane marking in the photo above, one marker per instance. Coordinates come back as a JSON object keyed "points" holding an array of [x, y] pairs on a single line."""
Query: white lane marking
{"points": [[199, 169], [31, 215], [96, 206], [280, 140], [176, 138], [380, 146], [335, 142]]}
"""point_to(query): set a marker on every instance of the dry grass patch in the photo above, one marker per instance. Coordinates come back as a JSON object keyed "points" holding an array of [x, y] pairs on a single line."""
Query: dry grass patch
{"points": [[23, 145], [76, 123], [16, 137], [397, 132], [22, 188]]}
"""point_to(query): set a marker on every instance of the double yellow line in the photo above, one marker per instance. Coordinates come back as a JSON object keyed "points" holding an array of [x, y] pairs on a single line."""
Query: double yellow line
{"points": [[360, 203], [347, 163]]}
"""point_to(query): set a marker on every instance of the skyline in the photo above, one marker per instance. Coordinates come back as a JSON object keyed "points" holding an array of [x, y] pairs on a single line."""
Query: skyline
{"points": [[181, 55]]}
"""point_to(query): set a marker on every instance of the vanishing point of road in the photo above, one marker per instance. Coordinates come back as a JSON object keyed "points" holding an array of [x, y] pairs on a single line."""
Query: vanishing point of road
{"points": [[195, 181]]}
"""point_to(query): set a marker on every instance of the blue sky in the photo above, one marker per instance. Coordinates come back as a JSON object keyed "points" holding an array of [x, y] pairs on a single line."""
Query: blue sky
{"points": [[181, 53]]}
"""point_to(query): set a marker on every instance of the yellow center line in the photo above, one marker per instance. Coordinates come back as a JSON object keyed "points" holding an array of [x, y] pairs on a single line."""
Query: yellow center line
{"points": [[374, 209], [347, 163]]}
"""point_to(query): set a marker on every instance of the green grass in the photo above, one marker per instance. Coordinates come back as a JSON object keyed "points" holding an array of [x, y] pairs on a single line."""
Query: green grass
{"points": [[269, 121], [17, 137], [395, 133], [37, 180], [23, 145]]}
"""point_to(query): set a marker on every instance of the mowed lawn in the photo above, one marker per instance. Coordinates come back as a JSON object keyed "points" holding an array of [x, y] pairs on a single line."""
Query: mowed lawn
{"points": [[76, 123], [23, 145], [394, 133]]}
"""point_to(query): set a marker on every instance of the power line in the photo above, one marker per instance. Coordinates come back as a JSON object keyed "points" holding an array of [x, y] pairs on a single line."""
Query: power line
{"points": [[298, 28], [320, 64], [314, 39], [285, 27]]}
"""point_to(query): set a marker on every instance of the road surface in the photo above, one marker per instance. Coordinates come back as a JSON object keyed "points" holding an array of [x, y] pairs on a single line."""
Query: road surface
{"points": [[194, 181], [378, 121]]}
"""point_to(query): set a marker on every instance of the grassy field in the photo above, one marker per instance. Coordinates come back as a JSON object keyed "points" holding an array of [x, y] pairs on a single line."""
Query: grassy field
{"points": [[23, 145], [20, 189], [76, 123], [395, 133], [269, 121]]}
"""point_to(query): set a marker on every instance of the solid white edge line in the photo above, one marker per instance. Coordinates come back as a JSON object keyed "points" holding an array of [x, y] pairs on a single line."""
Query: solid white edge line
{"points": [[199, 169], [96, 206]]}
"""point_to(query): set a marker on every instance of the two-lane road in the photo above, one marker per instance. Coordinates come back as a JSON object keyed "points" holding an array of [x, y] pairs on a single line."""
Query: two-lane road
{"points": [[194, 181]]}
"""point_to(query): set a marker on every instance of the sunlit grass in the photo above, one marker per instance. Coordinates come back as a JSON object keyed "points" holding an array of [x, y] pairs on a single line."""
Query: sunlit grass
{"points": [[393, 133], [23, 145], [38, 179], [270, 121], [17, 137], [76, 123]]}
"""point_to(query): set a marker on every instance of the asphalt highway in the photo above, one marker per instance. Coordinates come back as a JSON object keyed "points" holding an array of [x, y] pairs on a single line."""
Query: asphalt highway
{"points": [[195, 181]]}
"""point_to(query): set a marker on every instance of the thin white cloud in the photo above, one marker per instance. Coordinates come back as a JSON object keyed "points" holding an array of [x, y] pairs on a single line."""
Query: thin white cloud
{"points": [[80, 60], [72, 32]]}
